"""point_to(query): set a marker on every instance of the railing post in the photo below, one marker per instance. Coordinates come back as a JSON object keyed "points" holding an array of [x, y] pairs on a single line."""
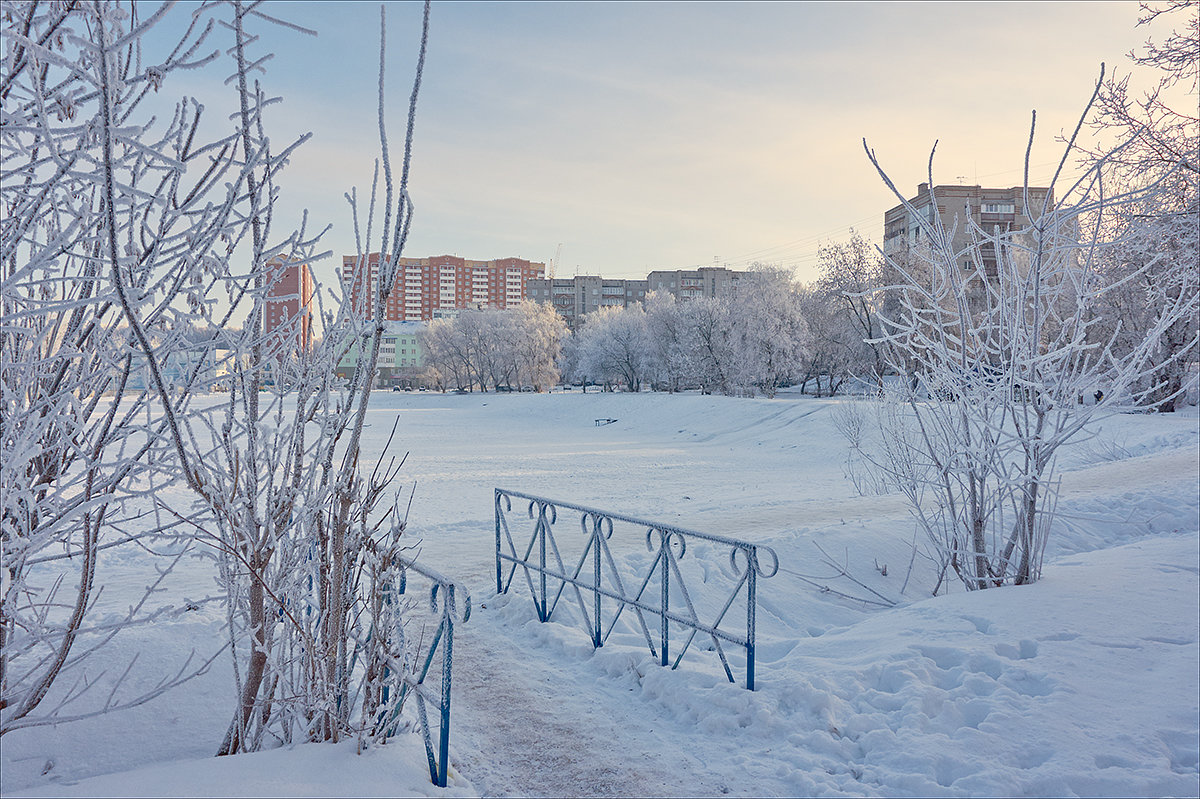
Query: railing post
{"points": [[542, 525], [498, 572], [437, 752], [447, 663], [665, 540], [751, 604], [597, 532]]}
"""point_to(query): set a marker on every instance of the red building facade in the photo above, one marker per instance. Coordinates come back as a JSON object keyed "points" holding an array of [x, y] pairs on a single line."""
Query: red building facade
{"points": [[426, 288], [288, 308]]}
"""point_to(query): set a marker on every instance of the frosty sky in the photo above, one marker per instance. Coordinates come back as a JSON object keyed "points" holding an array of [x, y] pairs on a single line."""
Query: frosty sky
{"points": [[666, 135]]}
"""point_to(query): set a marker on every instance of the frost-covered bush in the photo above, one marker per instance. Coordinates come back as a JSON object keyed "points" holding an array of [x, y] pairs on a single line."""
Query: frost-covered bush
{"points": [[130, 241], [115, 226], [1001, 361]]}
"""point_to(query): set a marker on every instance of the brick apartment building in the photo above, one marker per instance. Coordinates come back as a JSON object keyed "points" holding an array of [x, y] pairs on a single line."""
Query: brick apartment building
{"points": [[288, 307], [575, 297], [988, 208], [426, 288]]}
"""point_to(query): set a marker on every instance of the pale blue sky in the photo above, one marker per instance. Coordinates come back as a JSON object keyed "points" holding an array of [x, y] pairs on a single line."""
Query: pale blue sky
{"points": [[663, 135]]}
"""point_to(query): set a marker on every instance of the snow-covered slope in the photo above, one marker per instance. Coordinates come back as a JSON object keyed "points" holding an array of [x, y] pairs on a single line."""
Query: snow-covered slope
{"points": [[1083, 684]]}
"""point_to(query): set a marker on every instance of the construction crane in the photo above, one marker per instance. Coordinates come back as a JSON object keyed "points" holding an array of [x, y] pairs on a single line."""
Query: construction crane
{"points": [[554, 263]]}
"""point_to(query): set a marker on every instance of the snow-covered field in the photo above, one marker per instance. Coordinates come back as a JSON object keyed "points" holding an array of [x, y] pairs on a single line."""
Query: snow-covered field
{"points": [[1085, 683]]}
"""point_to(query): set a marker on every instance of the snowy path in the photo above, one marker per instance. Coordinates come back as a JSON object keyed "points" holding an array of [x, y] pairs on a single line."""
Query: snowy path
{"points": [[527, 725]]}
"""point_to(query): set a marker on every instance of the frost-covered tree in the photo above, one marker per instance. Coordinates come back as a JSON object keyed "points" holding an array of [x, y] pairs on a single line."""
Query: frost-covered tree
{"points": [[613, 347], [834, 350], [123, 235], [673, 343], [308, 558], [750, 341], [117, 224], [538, 345], [495, 348], [851, 271], [1160, 143], [710, 322], [444, 356], [768, 332], [1006, 355]]}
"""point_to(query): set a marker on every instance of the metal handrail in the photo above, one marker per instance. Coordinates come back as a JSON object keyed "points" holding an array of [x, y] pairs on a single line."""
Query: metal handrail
{"points": [[662, 540], [414, 684]]}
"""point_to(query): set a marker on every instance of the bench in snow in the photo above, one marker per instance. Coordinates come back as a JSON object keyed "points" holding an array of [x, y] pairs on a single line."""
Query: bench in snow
{"points": [[602, 422]]}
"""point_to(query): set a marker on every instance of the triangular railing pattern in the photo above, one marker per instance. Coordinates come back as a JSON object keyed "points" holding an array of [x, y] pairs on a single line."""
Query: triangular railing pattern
{"points": [[596, 580]]}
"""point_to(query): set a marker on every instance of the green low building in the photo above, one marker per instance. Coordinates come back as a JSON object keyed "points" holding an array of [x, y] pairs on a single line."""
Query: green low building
{"points": [[401, 362]]}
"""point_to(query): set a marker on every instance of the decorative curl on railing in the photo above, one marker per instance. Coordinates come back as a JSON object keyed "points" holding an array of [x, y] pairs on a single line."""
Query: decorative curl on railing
{"points": [[450, 601], [751, 556], [665, 538], [600, 524], [543, 507], [448, 588]]}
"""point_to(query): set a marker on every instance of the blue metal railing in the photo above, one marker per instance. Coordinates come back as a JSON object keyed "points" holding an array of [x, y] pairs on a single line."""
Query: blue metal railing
{"points": [[441, 647], [548, 578]]}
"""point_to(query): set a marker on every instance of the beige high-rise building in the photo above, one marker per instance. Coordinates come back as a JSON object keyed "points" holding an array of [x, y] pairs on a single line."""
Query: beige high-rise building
{"points": [[577, 296], [988, 208]]}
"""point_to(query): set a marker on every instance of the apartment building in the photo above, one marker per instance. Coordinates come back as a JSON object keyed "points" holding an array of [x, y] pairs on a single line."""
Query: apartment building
{"points": [[691, 284], [401, 360], [288, 307], [427, 288], [575, 297], [954, 205]]}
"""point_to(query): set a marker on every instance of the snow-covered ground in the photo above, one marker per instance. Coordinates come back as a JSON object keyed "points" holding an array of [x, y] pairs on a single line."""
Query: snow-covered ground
{"points": [[1083, 684]]}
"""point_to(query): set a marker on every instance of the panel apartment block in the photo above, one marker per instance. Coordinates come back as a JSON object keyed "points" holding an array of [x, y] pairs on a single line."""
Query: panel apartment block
{"points": [[426, 288], [691, 284], [988, 208], [575, 297], [580, 295]]}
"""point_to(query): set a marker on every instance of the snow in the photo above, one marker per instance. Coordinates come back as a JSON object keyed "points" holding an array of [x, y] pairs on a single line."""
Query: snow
{"points": [[1082, 684]]}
